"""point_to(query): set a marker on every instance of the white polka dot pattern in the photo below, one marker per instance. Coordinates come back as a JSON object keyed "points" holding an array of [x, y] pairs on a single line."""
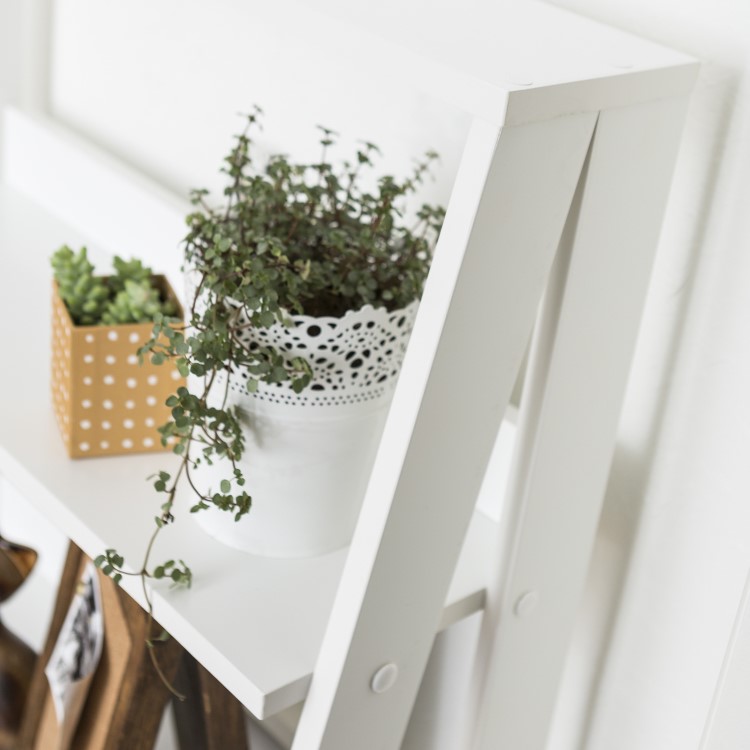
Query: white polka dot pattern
{"points": [[105, 402]]}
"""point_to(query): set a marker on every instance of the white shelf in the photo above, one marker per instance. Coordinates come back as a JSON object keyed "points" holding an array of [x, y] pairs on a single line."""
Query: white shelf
{"points": [[535, 79], [509, 44], [508, 61], [256, 623]]}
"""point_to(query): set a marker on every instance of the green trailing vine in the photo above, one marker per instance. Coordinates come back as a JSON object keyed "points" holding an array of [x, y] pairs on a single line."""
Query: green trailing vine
{"points": [[316, 238]]}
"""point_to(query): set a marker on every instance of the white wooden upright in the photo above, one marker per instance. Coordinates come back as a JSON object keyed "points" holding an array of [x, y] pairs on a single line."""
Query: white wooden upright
{"points": [[550, 233], [562, 187]]}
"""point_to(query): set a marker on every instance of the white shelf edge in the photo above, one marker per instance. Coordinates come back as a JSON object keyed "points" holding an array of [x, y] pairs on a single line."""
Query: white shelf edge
{"points": [[69, 180], [463, 599], [89, 501], [507, 63]]}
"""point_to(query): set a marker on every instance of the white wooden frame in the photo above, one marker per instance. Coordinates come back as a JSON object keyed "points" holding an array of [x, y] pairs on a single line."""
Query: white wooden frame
{"points": [[561, 187], [433, 452]]}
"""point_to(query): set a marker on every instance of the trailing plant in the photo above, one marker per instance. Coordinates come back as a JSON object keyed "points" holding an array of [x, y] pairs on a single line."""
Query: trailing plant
{"points": [[290, 238], [128, 296], [316, 238]]}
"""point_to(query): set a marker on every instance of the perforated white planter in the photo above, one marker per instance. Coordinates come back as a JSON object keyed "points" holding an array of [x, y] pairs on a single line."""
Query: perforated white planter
{"points": [[308, 456]]}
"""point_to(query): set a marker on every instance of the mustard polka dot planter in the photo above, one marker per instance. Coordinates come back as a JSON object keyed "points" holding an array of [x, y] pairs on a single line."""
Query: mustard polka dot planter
{"points": [[107, 404]]}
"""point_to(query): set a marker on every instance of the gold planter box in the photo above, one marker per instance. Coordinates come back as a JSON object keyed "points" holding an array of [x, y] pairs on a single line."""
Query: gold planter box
{"points": [[107, 404]]}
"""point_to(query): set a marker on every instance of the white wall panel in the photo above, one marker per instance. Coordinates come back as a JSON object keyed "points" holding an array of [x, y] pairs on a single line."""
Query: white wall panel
{"points": [[672, 552], [160, 82]]}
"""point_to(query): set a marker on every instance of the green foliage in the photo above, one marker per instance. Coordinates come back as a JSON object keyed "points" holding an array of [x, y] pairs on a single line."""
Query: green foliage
{"points": [[128, 270], [111, 564], [179, 574], [290, 238], [128, 296], [137, 302], [84, 294], [309, 237]]}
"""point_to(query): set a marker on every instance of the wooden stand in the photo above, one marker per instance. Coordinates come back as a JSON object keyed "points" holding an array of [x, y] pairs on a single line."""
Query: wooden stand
{"points": [[126, 701], [210, 718]]}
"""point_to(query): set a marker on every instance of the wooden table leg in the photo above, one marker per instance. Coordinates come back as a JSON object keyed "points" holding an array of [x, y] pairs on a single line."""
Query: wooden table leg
{"points": [[210, 718]]}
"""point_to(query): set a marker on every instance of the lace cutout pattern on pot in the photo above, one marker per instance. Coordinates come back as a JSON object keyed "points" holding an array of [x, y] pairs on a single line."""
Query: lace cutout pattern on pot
{"points": [[355, 358]]}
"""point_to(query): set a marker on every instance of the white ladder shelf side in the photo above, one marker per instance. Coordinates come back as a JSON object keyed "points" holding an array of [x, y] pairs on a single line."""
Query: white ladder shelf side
{"points": [[575, 386], [562, 187], [523, 189], [504, 222]]}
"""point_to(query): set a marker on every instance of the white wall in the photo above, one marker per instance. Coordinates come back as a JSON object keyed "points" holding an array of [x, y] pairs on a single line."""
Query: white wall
{"points": [[158, 83], [161, 83], [673, 551]]}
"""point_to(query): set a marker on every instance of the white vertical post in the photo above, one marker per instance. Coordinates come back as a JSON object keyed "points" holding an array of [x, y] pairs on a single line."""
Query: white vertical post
{"points": [[504, 221], [579, 368]]}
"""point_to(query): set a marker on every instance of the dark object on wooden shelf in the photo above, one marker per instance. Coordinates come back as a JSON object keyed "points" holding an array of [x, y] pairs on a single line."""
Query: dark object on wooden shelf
{"points": [[210, 718], [17, 659], [126, 701]]}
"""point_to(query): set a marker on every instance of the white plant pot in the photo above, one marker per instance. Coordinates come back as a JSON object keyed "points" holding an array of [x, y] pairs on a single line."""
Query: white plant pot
{"points": [[308, 456]]}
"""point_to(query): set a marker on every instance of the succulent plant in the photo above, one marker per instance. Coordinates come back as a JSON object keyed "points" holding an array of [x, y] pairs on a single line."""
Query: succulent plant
{"points": [[128, 296], [84, 294]]}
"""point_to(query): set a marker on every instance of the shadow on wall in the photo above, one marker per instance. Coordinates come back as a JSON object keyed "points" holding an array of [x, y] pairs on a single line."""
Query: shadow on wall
{"points": [[633, 466]]}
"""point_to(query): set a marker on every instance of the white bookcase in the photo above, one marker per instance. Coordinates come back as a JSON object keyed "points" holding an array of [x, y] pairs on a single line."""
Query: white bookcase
{"points": [[551, 228]]}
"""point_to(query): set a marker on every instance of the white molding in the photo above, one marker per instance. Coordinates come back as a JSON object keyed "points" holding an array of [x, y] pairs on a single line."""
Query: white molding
{"points": [[503, 224], [116, 206]]}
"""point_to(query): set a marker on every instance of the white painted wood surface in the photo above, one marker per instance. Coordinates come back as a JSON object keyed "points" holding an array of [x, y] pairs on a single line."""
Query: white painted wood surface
{"points": [[509, 61], [504, 222], [544, 75], [498, 60], [255, 623], [577, 376]]}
